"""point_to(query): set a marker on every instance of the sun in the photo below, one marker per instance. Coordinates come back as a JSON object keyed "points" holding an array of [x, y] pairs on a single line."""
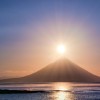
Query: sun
{"points": [[61, 49]]}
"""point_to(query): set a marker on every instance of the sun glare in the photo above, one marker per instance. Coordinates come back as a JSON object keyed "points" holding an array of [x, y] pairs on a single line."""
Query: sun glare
{"points": [[61, 49]]}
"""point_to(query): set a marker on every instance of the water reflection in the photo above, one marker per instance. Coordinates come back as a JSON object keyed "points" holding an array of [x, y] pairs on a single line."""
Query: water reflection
{"points": [[62, 86], [60, 95], [64, 92]]}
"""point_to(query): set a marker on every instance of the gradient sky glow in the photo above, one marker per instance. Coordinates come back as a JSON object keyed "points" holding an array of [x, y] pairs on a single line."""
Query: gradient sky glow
{"points": [[30, 30]]}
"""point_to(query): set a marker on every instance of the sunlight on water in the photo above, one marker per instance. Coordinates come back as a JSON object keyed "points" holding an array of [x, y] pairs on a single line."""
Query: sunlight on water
{"points": [[62, 86], [53, 91], [62, 94]]}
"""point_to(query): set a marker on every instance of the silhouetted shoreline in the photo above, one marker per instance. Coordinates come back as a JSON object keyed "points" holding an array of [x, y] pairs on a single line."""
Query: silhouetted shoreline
{"points": [[20, 91]]}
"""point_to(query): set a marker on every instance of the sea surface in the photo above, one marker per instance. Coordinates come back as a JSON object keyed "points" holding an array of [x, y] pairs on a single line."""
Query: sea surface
{"points": [[52, 91]]}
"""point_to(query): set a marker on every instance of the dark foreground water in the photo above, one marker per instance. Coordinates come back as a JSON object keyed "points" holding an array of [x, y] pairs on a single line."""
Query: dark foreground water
{"points": [[53, 91]]}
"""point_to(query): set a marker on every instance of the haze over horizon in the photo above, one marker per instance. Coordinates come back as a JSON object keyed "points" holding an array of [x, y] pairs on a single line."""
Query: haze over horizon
{"points": [[30, 31]]}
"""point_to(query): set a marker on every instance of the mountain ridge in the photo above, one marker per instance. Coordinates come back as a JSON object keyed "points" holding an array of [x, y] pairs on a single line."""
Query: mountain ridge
{"points": [[62, 70]]}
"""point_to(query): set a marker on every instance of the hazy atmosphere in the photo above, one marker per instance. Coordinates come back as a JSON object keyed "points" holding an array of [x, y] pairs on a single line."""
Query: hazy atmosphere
{"points": [[31, 30]]}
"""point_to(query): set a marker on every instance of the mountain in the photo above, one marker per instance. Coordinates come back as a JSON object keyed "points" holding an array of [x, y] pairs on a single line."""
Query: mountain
{"points": [[63, 70]]}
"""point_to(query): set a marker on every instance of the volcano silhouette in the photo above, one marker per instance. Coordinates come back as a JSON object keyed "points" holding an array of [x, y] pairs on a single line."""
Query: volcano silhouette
{"points": [[63, 70]]}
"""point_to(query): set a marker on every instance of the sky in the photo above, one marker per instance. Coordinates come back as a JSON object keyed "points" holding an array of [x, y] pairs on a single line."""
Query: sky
{"points": [[30, 31]]}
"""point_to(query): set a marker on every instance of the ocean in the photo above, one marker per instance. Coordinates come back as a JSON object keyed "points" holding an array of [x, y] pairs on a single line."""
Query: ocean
{"points": [[52, 91]]}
